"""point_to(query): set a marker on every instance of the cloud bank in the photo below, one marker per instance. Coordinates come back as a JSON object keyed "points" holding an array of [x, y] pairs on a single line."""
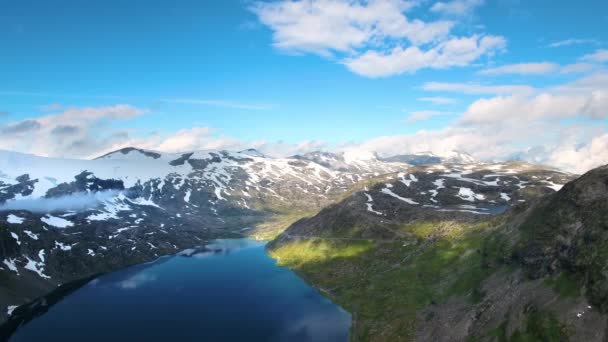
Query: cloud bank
{"points": [[563, 125], [75, 202], [376, 38]]}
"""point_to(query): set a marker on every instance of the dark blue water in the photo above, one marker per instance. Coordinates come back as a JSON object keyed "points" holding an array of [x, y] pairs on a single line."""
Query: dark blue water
{"points": [[233, 293]]}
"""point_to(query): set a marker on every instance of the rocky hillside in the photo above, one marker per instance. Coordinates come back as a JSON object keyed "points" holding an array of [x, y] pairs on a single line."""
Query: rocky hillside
{"points": [[412, 269], [466, 192], [568, 233]]}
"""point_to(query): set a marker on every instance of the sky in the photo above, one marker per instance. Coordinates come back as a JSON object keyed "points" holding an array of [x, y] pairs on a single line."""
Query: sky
{"points": [[499, 79]]}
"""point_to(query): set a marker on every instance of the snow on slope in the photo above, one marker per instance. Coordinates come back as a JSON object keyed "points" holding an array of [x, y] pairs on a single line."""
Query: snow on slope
{"points": [[196, 184]]}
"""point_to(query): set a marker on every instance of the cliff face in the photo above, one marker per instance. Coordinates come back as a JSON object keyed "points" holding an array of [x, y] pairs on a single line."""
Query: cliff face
{"points": [[568, 232]]}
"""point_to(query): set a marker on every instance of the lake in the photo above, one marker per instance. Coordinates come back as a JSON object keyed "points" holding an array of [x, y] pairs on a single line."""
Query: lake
{"points": [[231, 290]]}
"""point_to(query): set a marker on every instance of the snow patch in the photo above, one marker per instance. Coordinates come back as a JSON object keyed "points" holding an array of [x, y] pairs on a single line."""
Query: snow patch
{"points": [[553, 186], [62, 246], [10, 263], [391, 193], [56, 221], [468, 195], [14, 219], [370, 200], [31, 235], [16, 237], [10, 309], [37, 267]]}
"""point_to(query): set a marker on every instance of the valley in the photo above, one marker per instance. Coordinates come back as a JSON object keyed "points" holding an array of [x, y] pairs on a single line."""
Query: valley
{"points": [[390, 242]]}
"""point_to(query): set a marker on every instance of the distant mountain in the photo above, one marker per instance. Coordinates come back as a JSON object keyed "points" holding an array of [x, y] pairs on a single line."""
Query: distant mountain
{"points": [[422, 158], [429, 158], [458, 157], [438, 192]]}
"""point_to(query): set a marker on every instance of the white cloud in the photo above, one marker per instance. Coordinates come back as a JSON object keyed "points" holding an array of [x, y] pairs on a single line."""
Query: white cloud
{"points": [[541, 106], [574, 150], [541, 68], [519, 121], [326, 26], [456, 7], [423, 115], [522, 69], [586, 97], [196, 138], [453, 52], [91, 132], [579, 158], [283, 149], [476, 88], [600, 56], [576, 68], [438, 100], [373, 38], [74, 132]]}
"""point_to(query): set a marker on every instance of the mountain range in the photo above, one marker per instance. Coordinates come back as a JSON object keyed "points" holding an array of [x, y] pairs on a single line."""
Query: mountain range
{"points": [[374, 222]]}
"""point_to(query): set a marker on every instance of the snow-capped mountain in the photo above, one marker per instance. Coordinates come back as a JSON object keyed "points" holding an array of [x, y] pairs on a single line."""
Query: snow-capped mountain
{"points": [[243, 179], [356, 162], [64, 219]]}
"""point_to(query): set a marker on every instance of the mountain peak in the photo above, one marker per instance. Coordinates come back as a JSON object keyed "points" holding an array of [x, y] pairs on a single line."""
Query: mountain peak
{"points": [[253, 152], [121, 153]]}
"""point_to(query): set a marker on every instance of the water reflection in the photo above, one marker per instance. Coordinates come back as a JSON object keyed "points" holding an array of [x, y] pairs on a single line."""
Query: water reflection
{"points": [[229, 290]]}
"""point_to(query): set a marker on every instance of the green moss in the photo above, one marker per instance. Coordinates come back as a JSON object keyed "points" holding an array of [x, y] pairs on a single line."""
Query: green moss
{"points": [[421, 230], [500, 332], [276, 224], [318, 251], [386, 284], [567, 285], [541, 326]]}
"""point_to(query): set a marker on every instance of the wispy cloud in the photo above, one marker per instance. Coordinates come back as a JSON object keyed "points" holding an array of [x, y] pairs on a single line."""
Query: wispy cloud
{"points": [[50, 94], [457, 7], [569, 42], [423, 115], [599, 56], [204, 102], [438, 100], [522, 69], [576, 68], [51, 107], [478, 89], [539, 68], [222, 103], [75, 132]]}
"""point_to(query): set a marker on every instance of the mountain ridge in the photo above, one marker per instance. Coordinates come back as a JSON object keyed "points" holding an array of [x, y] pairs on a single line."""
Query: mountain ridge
{"points": [[139, 207]]}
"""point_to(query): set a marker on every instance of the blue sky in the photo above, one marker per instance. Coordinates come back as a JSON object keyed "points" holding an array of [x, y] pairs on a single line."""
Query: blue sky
{"points": [[287, 76]]}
